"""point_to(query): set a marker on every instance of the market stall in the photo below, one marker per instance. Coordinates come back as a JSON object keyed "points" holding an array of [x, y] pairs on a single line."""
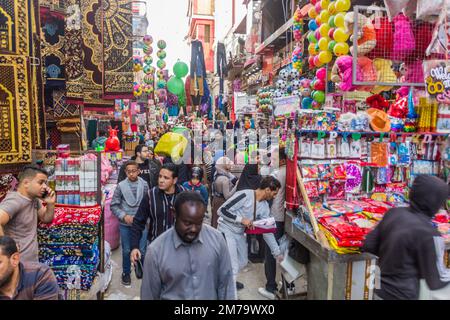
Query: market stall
{"points": [[361, 116]]}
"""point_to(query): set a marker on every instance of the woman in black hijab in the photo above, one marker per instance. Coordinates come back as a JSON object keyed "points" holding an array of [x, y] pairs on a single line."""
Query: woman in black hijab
{"points": [[250, 178]]}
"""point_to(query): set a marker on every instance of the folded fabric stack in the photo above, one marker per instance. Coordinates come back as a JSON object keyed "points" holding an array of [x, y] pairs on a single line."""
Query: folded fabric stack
{"points": [[69, 245]]}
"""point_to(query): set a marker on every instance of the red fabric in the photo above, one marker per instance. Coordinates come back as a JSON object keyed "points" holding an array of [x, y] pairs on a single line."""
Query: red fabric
{"points": [[65, 214], [292, 198], [385, 38], [260, 231]]}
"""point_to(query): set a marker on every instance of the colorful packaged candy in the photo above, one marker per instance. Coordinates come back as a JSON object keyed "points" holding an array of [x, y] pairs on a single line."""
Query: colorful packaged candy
{"points": [[361, 221], [354, 178], [323, 187], [324, 171], [310, 171], [404, 156], [320, 211], [338, 172], [311, 189], [342, 206], [396, 187]]}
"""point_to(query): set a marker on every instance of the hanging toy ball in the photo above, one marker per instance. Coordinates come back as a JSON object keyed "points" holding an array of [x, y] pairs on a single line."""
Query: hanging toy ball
{"points": [[149, 69], [148, 40], [160, 74], [148, 79], [162, 44], [284, 74], [161, 84], [161, 64], [161, 54], [147, 49], [148, 59]]}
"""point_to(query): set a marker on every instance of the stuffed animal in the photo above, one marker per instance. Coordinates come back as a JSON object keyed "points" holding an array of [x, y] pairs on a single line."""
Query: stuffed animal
{"points": [[404, 42], [385, 73], [367, 38], [384, 31], [341, 73], [369, 73]]}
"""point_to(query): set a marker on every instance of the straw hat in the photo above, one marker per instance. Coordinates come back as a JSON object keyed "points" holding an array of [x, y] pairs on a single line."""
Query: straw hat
{"points": [[379, 120]]}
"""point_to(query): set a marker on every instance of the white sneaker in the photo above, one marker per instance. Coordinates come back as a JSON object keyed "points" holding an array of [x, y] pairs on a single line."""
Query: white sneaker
{"points": [[267, 294]]}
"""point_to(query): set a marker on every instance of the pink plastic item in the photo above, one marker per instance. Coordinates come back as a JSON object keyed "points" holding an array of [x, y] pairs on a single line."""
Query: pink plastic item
{"points": [[404, 42]]}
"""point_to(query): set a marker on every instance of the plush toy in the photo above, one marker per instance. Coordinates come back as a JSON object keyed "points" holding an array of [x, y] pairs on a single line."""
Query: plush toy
{"points": [[404, 42], [384, 32], [367, 39], [385, 73], [378, 102], [341, 73], [369, 74]]}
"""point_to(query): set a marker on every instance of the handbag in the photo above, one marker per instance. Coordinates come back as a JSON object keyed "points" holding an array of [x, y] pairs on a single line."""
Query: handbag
{"points": [[138, 269], [258, 230]]}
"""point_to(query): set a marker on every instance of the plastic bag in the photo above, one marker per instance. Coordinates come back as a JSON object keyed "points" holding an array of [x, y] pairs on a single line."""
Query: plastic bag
{"points": [[430, 9], [172, 145]]}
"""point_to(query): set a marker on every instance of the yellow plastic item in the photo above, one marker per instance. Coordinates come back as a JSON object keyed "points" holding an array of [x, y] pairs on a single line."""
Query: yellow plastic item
{"points": [[171, 145]]}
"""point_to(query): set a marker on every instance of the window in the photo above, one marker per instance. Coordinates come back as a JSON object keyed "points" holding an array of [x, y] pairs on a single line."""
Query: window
{"points": [[207, 33]]}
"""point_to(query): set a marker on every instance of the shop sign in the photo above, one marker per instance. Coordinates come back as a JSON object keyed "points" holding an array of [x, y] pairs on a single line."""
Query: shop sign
{"points": [[286, 105], [437, 79], [244, 103]]}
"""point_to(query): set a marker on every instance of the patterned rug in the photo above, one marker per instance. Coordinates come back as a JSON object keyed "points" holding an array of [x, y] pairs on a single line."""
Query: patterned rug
{"points": [[62, 109], [74, 52], [117, 49], [91, 27], [15, 124]]}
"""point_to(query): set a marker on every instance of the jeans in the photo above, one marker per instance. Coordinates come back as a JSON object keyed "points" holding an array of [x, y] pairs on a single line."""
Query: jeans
{"points": [[125, 239], [270, 265]]}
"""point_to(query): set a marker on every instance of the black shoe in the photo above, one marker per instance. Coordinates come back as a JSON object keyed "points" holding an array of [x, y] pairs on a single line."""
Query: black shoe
{"points": [[126, 279], [239, 285]]}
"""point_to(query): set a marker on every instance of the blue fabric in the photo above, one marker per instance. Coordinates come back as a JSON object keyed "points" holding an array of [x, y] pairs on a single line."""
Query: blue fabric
{"points": [[125, 239], [197, 60]]}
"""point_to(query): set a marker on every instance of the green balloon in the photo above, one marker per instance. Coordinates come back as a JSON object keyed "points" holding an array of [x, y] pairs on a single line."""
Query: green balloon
{"points": [[175, 85], [319, 97], [180, 69], [331, 45], [331, 22], [311, 37]]}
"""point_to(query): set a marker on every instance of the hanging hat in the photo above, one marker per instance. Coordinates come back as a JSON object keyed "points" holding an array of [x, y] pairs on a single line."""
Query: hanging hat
{"points": [[379, 120]]}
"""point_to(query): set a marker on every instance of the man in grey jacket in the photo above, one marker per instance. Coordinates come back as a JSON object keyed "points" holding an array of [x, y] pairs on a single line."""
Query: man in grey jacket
{"points": [[124, 205], [239, 212]]}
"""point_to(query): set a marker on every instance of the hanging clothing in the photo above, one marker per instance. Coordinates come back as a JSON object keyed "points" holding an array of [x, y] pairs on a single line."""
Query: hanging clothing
{"points": [[222, 69], [292, 199], [91, 131]]}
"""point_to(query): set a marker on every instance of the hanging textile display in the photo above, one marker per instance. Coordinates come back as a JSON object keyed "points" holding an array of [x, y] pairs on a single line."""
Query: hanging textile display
{"points": [[91, 27], [117, 49], [15, 126], [74, 53], [62, 109]]}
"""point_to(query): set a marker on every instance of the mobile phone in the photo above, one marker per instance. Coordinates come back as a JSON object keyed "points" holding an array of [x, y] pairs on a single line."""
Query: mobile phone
{"points": [[45, 194]]}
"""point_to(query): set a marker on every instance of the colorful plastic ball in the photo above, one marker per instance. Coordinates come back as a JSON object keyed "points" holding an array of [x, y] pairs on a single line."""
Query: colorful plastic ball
{"points": [[343, 5], [341, 49], [312, 25], [331, 22], [331, 45], [319, 96], [147, 49], [161, 64], [306, 103], [324, 4], [312, 13], [324, 28], [321, 74], [323, 44], [148, 39], [161, 84], [148, 79], [340, 35], [137, 67], [311, 38], [147, 69], [332, 7], [148, 59], [324, 16], [325, 57], [162, 44], [339, 20], [161, 54], [160, 74]]}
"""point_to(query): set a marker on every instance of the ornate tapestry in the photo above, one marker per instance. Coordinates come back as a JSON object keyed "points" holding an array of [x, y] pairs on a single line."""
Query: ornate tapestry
{"points": [[62, 109], [52, 46], [117, 49], [74, 52], [15, 124], [91, 27], [14, 31]]}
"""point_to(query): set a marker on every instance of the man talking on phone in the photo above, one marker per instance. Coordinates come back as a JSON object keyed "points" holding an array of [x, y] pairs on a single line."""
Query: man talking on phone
{"points": [[20, 211]]}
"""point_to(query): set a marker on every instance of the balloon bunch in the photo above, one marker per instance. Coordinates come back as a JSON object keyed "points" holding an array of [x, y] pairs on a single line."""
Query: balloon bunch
{"points": [[264, 100], [326, 34], [149, 70], [297, 54], [313, 92]]}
